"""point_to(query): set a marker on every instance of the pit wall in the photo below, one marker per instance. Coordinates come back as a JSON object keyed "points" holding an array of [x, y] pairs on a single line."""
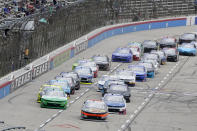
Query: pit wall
{"points": [[16, 79]]}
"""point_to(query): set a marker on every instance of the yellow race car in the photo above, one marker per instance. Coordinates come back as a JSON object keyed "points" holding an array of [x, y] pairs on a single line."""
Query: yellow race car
{"points": [[45, 88]]}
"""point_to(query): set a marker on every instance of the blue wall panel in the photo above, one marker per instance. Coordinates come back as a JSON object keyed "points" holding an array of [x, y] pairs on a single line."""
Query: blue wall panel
{"points": [[158, 25], [72, 52], [5, 91], [142, 27], [176, 23], [1, 93], [195, 20], [129, 29], [117, 31]]}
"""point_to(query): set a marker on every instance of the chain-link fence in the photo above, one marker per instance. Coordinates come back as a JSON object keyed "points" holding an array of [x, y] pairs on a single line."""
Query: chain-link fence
{"points": [[20, 45]]}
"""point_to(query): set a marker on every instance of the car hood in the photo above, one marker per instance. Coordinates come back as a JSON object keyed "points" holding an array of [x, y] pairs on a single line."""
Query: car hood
{"points": [[119, 54], [54, 98], [84, 75], [139, 73], [186, 49], [126, 77], [113, 103], [101, 82]]}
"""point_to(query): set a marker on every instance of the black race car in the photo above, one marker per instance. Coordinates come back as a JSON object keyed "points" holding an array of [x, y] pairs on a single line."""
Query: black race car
{"points": [[167, 42], [103, 62], [121, 89], [187, 38], [149, 45], [172, 54]]}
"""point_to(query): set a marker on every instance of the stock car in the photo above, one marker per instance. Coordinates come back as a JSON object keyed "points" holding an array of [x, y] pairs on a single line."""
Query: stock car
{"points": [[187, 49], [149, 45], [103, 62], [149, 68], [136, 44], [71, 82], [122, 55], [127, 76], [102, 81], [94, 109], [140, 72], [154, 62], [162, 56], [168, 42], [110, 82], [172, 54], [54, 99], [74, 75], [115, 103], [152, 56], [187, 38], [63, 83], [46, 87], [93, 67], [121, 89], [136, 53], [85, 74], [78, 62]]}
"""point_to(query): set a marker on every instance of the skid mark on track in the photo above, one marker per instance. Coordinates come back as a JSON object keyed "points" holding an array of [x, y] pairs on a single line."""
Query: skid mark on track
{"points": [[12, 98], [66, 126]]}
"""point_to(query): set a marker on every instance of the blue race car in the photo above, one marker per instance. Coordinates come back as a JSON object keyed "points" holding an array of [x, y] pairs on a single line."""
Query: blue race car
{"points": [[85, 74], [150, 69], [115, 103], [140, 72], [63, 83], [187, 49], [122, 55]]}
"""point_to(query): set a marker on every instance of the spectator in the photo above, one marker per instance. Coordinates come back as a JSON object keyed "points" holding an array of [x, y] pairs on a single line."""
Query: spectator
{"points": [[54, 2]]}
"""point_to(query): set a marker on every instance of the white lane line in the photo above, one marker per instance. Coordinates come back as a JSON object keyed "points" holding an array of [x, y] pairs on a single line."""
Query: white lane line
{"points": [[139, 107], [54, 115], [156, 87], [61, 111], [135, 112], [42, 125], [131, 116], [143, 103], [165, 78], [87, 90], [68, 105], [167, 75], [147, 99], [77, 98], [150, 95], [71, 102], [159, 84], [128, 121], [162, 81], [82, 94], [48, 120], [170, 72], [123, 126]]}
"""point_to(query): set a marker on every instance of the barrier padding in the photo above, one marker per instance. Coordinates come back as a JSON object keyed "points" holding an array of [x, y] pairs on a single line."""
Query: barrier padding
{"points": [[5, 89]]}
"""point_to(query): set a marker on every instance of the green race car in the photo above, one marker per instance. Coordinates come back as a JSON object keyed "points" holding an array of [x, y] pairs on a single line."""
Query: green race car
{"points": [[54, 99]]}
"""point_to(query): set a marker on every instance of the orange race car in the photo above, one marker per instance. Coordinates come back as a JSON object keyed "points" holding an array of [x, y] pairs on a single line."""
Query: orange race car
{"points": [[94, 109]]}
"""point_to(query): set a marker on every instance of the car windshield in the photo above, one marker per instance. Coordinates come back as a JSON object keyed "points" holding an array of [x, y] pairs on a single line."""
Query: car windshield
{"points": [[168, 41], [104, 78], [147, 65], [150, 56], [123, 51], [95, 104], [55, 93], [187, 46], [137, 69], [188, 36], [91, 64], [124, 72], [170, 51], [114, 82], [49, 88], [82, 71], [113, 98], [100, 58], [133, 49], [149, 43], [115, 87], [70, 75]]}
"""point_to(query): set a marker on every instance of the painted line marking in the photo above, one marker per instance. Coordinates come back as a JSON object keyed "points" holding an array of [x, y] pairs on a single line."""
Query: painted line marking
{"points": [[150, 95], [128, 121], [167, 75], [139, 107], [143, 103], [123, 126], [42, 125], [156, 87], [135, 112], [71, 102], [162, 81], [48, 120], [165, 78], [159, 84], [82, 94], [170, 72], [61, 111], [147, 99], [131, 116], [87, 90], [54, 115], [77, 98]]}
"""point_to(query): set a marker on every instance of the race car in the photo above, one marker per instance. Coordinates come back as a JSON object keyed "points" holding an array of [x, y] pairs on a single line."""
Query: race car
{"points": [[140, 72], [127, 76], [102, 81], [168, 42], [137, 44], [136, 53], [115, 103], [78, 62], [92, 65], [154, 63], [85, 74], [187, 38], [152, 56], [71, 82], [46, 87], [122, 55], [63, 83], [94, 109], [54, 99], [103, 62], [187, 49], [149, 68], [162, 56], [149, 45], [121, 89], [74, 75], [172, 54]]}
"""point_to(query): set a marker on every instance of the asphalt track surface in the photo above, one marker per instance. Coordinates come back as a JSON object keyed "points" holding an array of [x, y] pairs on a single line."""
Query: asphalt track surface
{"points": [[172, 107]]}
